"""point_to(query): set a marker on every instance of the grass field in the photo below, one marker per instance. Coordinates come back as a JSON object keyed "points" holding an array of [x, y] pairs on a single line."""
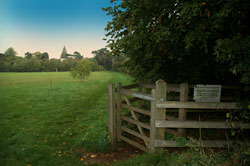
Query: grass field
{"points": [[47, 118]]}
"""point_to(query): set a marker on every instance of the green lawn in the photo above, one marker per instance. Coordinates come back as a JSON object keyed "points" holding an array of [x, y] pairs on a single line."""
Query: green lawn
{"points": [[46, 117]]}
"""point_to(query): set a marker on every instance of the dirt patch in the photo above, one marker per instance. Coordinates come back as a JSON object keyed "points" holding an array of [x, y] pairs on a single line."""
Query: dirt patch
{"points": [[124, 152]]}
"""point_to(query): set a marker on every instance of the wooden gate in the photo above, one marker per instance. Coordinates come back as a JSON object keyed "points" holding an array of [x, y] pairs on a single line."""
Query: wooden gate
{"points": [[145, 127]]}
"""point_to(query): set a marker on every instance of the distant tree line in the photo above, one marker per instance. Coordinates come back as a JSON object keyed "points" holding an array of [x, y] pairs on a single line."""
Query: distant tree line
{"points": [[40, 62], [32, 62]]}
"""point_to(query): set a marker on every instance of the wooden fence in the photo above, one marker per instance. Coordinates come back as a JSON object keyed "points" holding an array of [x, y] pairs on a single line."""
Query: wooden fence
{"points": [[125, 107]]}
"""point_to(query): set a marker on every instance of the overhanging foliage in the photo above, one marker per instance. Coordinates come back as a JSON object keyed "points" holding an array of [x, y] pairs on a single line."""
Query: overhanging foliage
{"points": [[177, 40]]}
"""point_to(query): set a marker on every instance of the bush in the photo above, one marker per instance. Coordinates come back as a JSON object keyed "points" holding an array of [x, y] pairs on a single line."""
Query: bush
{"points": [[82, 69]]}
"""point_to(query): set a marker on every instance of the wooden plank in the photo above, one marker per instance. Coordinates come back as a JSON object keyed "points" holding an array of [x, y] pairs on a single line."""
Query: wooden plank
{"points": [[111, 114], [152, 124], [136, 118], [160, 113], [134, 133], [135, 109], [182, 111], [137, 94], [190, 98], [144, 125], [132, 86], [207, 143], [119, 113], [133, 143], [198, 110], [201, 124], [195, 105]]}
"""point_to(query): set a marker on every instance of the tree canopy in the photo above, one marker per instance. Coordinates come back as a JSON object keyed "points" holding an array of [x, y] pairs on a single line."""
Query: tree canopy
{"points": [[178, 40], [10, 52], [103, 58]]}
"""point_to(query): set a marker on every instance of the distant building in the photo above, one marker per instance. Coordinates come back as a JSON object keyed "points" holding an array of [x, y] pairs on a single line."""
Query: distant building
{"points": [[65, 55]]}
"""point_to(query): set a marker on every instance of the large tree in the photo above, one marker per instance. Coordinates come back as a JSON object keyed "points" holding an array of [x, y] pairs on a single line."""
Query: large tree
{"points": [[103, 58], [45, 56], [178, 40], [10, 52]]}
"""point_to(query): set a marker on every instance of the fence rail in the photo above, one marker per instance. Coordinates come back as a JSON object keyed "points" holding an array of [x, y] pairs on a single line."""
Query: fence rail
{"points": [[196, 105], [139, 95], [200, 124]]}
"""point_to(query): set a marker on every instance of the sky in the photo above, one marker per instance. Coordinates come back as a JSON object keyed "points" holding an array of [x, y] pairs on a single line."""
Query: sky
{"points": [[48, 25]]}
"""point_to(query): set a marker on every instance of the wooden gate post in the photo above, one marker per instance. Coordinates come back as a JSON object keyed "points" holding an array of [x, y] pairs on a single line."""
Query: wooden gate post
{"points": [[157, 114], [183, 112], [111, 114], [119, 113]]}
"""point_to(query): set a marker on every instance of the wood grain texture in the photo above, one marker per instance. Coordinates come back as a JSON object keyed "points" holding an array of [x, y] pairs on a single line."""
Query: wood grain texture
{"points": [[195, 105], [201, 124]]}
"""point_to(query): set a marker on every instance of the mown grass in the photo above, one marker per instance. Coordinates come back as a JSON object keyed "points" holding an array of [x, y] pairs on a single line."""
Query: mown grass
{"points": [[46, 117]]}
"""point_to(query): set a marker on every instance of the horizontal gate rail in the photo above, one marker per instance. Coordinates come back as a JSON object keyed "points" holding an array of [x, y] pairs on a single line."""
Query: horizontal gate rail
{"points": [[196, 105], [139, 95], [199, 110], [200, 124]]}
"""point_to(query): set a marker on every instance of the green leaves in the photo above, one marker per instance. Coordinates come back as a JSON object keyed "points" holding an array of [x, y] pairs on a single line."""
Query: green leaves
{"points": [[180, 40], [82, 69]]}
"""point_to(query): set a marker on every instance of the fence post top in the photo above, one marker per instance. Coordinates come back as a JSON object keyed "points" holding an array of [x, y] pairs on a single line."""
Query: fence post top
{"points": [[160, 81]]}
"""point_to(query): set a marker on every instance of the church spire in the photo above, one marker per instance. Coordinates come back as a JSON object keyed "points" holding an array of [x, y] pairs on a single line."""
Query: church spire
{"points": [[64, 53]]}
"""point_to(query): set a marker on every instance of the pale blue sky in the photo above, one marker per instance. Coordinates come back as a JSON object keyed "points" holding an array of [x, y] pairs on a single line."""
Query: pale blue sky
{"points": [[48, 25]]}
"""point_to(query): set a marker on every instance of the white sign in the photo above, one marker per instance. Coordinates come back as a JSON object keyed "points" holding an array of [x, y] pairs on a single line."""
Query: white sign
{"points": [[207, 93]]}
